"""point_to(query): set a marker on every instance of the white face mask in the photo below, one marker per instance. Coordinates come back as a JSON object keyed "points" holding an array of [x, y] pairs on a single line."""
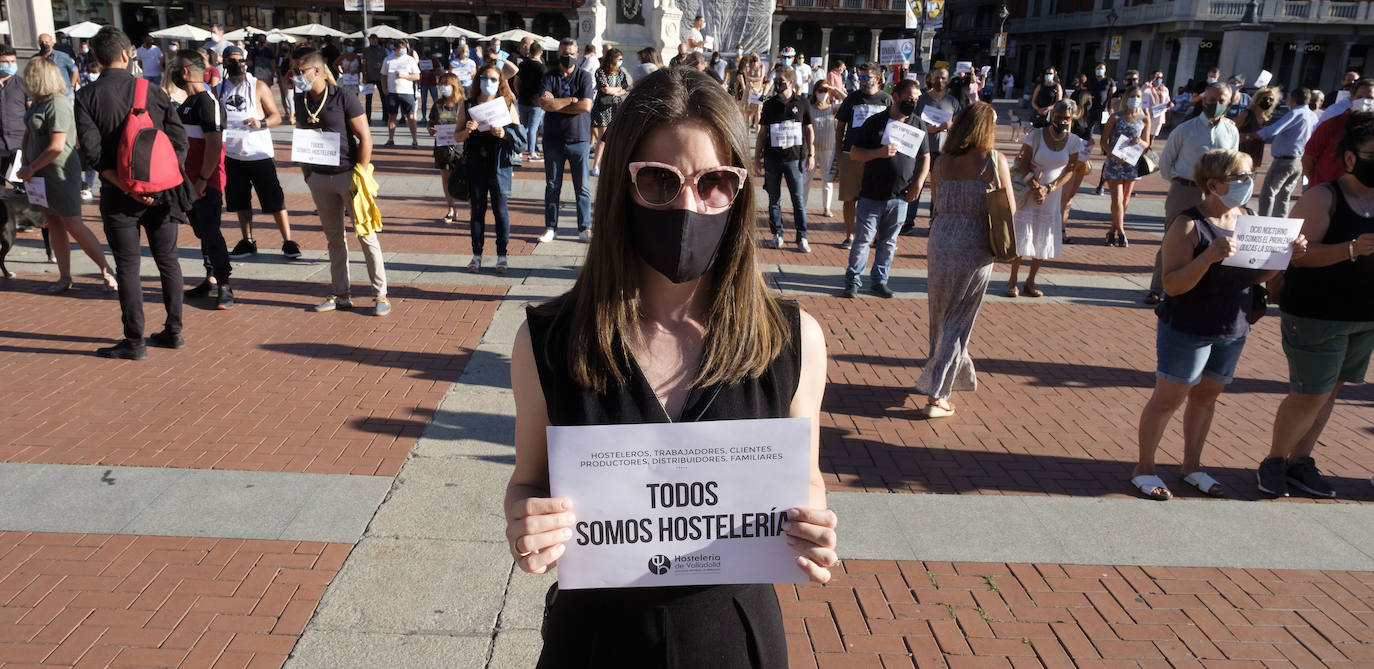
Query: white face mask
{"points": [[1362, 106], [445, 91]]}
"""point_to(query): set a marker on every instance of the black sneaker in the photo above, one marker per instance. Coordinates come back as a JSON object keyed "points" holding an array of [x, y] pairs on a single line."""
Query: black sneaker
{"points": [[243, 249], [881, 290], [1273, 477], [166, 339], [850, 290], [1303, 475], [124, 350], [291, 249], [201, 290], [225, 299]]}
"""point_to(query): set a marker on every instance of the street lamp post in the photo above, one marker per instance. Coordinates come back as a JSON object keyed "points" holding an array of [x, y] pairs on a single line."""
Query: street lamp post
{"points": [[1002, 14], [1112, 17]]}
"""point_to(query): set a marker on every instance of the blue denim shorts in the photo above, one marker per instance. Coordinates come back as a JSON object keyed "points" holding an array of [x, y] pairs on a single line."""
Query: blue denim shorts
{"points": [[1185, 358]]}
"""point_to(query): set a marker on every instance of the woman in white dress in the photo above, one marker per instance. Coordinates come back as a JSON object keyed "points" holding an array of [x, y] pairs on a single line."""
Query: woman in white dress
{"points": [[1048, 157]]}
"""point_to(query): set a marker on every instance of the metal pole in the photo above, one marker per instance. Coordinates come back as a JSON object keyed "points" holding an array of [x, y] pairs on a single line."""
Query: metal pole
{"points": [[363, 5]]}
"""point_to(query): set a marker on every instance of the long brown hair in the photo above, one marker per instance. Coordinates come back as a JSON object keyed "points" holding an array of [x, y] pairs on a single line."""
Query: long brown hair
{"points": [[746, 329], [974, 130], [503, 92]]}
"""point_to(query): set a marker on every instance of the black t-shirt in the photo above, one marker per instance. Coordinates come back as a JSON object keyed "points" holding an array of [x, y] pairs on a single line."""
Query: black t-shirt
{"points": [[334, 113], [330, 53], [200, 114], [563, 128], [777, 110], [1099, 88], [845, 114], [527, 82], [887, 178]]}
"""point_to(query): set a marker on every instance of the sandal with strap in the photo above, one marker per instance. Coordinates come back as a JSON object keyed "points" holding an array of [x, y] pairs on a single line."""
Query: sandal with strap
{"points": [[931, 410], [1205, 484], [1031, 291], [1011, 291], [1152, 486]]}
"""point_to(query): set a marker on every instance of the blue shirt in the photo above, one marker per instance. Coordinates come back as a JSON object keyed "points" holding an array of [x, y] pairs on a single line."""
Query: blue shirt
{"points": [[1190, 140], [1290, 134], [568, 128], [66, 65]]}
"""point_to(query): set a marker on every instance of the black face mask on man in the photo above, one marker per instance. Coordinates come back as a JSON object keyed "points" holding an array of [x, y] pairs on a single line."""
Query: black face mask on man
{"points": [[907, 107], [566, 61], [677, 243], [233, 67]]}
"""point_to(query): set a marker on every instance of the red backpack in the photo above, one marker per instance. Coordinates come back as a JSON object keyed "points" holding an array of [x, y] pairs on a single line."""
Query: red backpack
{"points": [[147, 161]]}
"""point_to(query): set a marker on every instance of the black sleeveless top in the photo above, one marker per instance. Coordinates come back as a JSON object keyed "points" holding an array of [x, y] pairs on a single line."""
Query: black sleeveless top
{"points": [[1218, 304], [1340, 292], [672, 627]]}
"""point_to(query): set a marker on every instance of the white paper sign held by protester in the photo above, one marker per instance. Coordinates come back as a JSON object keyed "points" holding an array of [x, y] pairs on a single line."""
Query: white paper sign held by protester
{"points": [[491, 113], [443, 134], [37, 191], [862, 112], [785, 135], [907, 137], [935, 115], [1264, 242], [755, 98], [315, 147], [12, 176], [1263, 79], [694, 503], [1128, 150], [963, 66]]}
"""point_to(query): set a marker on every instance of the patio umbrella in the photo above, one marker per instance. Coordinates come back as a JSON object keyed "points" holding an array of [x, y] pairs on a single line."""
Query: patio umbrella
{"points": [[516, 34], [314, 30], [382, 32], [184, 31], [274, 35], [450, 32], [83, 30], [243, 33]]}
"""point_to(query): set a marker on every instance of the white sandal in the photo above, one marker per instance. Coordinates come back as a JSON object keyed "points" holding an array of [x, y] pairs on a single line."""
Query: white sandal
{"points": [[1148, 483], [1205, 484]]}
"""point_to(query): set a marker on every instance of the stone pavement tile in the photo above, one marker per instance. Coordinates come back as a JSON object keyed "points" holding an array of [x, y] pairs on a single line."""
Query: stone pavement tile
{"points": [[1059, 396], [905, 614], [271, 385], [119, 600], [326, 649]]}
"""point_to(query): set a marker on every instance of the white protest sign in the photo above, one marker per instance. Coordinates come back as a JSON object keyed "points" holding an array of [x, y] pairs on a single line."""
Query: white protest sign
{"points": [[37, 191], [983, 71], [664, 504], [443, 134], [935, 115], [315, 147], [1161, 108], [426, 65], [912, 76], [896, 51], [13, 174], [755, 98], [1264, 242], [862, 112], [1128, 149], [492, 113], [1263, 79], [367, 89], [1106, 116], [907, 137], [348, 80], [815, 62], [963, 66], [1342, 96], [785, 135]]}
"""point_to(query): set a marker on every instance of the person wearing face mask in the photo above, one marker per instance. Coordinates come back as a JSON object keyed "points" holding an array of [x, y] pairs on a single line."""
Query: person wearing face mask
{"points": [[856, 108], [1317, 102], [528, 81], [1349, 81], [322, 107], [447, 110], [696, 41], [804, 75], [1208, 130], [1047, 92], [824, 102], [349, 66], [1048, 159], [649, 62], [1322, 160], [612, 85], [431, 66], [1203, 320], [754, 89], [891, 182], [566, 95], [1198, 88], [402, 72], [1131, 121], [703, 340], [373, 56], [937, 95], [1288, 136], [784, 152], [1240, 100], [1252, 118], [14, 99], [1157, 95], [786, 58], [150, 59], [63, 60], [461, 64], [203, 116], [490, 163], [1327, 312], [1102, 89]]}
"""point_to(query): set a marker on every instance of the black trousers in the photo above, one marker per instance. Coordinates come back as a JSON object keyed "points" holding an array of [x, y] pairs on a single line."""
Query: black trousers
{"points": [[123, 218], [205, 215]]}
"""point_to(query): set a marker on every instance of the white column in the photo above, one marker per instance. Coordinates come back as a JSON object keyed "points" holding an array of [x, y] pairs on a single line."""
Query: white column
{"points": [[1295, 77], [116, 14], [266, 19], [482, 24], [1187, 59], [529, 23], [873, 44], [775, 37], [1333, 71], [217, 17], [825, 50], [424, 21], [28, 19], [591, 24], [161, 16]]}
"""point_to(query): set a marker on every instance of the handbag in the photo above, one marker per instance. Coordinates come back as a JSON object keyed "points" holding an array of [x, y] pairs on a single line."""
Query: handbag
{"points": [[458, 185], [1001, 230], [1148, 164]]}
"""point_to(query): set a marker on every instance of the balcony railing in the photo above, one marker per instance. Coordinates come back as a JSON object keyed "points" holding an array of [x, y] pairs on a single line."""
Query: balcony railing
{"points": [[1219, 11], [853, 5]]}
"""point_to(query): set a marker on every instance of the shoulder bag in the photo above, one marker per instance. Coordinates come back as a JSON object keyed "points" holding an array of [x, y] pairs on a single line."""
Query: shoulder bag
{"points": [[1001, 231]]}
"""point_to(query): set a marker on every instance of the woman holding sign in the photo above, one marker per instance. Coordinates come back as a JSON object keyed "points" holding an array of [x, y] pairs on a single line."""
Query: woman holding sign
{"points": [[490, 154], [1129, 127], [669, 321], [1202, 319], [442, 126]]}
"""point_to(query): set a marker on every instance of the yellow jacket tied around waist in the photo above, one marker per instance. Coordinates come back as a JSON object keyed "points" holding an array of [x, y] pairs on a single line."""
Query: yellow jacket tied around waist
{"points": [[367, 216]]}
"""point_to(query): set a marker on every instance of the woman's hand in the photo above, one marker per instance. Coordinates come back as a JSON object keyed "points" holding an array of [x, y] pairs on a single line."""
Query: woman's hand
{"points": [[811, 532], [498, 131], [471, 126], [1222, 248], [432, 131], [1364, 244], [536, 528], [24, 173], [1299, 248]]}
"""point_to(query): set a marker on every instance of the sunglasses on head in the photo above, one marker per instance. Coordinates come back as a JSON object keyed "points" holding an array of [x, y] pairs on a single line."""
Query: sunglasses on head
{"points": [[659, 184]]}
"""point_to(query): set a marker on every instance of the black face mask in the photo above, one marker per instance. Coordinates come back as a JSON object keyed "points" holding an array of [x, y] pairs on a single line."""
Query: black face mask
{"points": [[566, 61], [1363, 171], [677, 243], [907, 107], [178, 80], [1061, 127], [1265, 104], [233, 67]]}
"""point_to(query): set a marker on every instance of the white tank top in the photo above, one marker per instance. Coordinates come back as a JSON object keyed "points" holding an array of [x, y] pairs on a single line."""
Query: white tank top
{"points": [[240, 103]]}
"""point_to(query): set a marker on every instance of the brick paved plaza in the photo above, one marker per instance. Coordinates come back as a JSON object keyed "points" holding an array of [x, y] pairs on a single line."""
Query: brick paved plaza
{"points": [[324, 490]]}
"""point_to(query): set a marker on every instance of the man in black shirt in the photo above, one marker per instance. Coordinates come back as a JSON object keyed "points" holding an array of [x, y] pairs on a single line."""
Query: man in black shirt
{"points": [[566, 95], [203, 117], [14, 99], [867, 101], [325, 108], [784, 151], [101, 110], [1101, 87], [528, 81], [892, 178]]}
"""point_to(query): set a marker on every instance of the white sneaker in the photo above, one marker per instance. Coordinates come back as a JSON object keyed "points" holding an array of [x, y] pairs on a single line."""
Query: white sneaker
{"points": [[501, 265], [596, 171], [475, 265], [86, 195], [776, 243], [585, 236], [804, 246], [547, 236]]}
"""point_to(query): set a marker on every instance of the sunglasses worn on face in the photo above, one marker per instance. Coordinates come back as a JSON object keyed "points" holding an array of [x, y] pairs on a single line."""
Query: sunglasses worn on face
{"points": [[659, 184]]}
